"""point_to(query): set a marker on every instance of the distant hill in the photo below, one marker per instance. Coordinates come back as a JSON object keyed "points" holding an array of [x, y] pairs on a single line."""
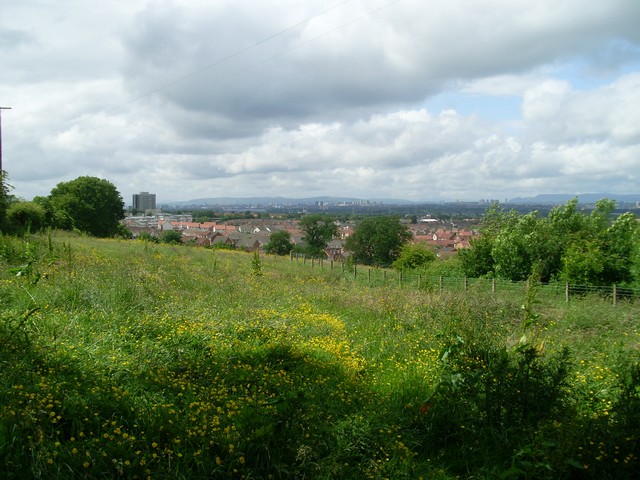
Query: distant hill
{"points": [[586, 198], [275, 201]]}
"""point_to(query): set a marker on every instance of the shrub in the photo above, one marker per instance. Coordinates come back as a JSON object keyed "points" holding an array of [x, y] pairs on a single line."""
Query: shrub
{"points": [[490, 401], [413, 257], [172, 237]]}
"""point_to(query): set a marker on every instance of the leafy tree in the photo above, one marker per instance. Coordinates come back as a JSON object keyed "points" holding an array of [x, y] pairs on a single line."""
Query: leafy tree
{"points": [[605, 258], [5, 198], [635, 258], [89, 204], [173, 237], [477, 261], [524, 247], [378, 241], [318, 230], [279, 243], [413, 257], [568, 244], [583, 263], [26, 216], [49, 213]]}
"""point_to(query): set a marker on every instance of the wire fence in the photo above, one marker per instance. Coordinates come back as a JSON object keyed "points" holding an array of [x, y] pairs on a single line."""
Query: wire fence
{"points": [[382, 277]]}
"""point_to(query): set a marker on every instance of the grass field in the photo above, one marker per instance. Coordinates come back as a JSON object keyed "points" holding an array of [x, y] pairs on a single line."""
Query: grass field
{"points": [[133, 360]]}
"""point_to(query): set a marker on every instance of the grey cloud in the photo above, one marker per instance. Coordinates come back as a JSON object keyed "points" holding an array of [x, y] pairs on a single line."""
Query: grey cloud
{"points": [[10, 38], [398, 56]]}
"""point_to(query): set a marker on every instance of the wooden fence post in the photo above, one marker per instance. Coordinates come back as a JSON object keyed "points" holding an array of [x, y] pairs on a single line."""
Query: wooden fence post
{"points": [[493, 285], [466, 283], [566, 292], [615, 294]]}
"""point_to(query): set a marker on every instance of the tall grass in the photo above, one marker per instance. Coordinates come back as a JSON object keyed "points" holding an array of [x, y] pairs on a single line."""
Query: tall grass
{"points": [[138, 360]]}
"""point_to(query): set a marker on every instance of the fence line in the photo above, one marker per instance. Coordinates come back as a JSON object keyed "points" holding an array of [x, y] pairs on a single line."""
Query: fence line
{"points": [[381, 277]]}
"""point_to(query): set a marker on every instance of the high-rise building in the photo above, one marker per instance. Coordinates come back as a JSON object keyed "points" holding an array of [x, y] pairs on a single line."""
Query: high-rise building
{"points": [[144, 201]]}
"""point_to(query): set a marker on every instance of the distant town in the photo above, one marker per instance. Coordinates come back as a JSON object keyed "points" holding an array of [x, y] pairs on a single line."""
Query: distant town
{"points": [[247, 224]]}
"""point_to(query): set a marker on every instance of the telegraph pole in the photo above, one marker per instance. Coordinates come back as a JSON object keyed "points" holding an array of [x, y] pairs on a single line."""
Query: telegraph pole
{"points": [[1, 108]]}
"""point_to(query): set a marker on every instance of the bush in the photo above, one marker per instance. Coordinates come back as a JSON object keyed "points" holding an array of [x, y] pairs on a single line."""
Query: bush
{"points": [[26, 217], [147, 237], [172, 237], [490, 401], [413, 257]]}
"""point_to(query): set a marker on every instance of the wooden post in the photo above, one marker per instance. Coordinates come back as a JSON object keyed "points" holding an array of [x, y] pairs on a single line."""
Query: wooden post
{"points": [[493, 285], [312, 261], [466, 283], [566, 292], [355, 270], [615, 294], [419, 281], [400, 278], [331, 264], [369, 276]]}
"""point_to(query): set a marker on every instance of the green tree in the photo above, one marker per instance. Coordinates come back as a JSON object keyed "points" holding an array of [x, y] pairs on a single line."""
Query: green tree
{"points": [[49, 213], [570, 244], [522, 248], [279, 243], [606, 256], [5, 198], [583, 263], [173, 237], [413, 257], [620, 238], [26, 217], [378, 241], [318, 230], [89, 204], [477, 261]]}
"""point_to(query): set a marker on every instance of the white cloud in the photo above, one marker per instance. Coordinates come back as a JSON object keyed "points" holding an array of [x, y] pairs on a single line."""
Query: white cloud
{"points": [[195, 99]]}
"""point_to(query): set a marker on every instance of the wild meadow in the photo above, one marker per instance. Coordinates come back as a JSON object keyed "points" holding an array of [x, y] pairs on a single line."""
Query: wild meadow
{"points": [[125, 359]]}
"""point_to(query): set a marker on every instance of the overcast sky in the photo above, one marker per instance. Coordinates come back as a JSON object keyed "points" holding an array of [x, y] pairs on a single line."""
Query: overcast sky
{"points": [[412, 99]]}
